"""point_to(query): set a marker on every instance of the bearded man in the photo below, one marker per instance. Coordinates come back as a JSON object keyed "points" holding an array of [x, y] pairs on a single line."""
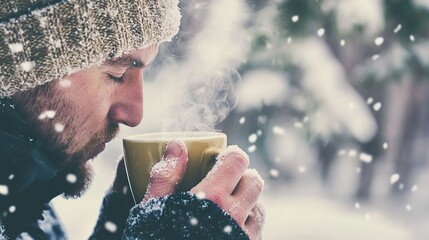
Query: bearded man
{"points": [[70, 73]]}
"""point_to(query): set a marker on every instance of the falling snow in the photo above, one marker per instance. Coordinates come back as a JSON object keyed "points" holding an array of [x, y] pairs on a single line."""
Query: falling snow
{"points": [[71, 178], [408, 207], [4, 190], [50, 114], [342, 152], [394, 178], [385, 145], [201, 195], [364, 157], [398, 28], [295, 18], [298, 125], [65, 83], [27, 66], [274, 173], [352, 153], [59, 127], [111, 227], [279, 130], [370, 100], [357, 205], [253, 138], [412, 38], [343, 42], [251, 148], [375, 57], [377, 106], [227, 229], [379, 41], [414, 188], [242, 120], [321, 32], [12, 209], [11, 177], [16, 47], [193, 221]]}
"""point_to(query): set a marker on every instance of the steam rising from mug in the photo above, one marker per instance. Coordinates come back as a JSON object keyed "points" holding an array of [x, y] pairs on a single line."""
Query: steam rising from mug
{"points": [[204, 103], [195, 81]]}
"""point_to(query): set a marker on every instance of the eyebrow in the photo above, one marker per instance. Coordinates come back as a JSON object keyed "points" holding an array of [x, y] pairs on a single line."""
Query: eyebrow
{"points": [[126, 61]]}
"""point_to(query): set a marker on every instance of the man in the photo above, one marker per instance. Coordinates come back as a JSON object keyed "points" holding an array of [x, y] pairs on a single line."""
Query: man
{"points": [[70, 73]]}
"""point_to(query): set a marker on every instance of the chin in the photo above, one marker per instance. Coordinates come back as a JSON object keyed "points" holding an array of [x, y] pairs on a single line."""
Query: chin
{"points": [[77, 180]]}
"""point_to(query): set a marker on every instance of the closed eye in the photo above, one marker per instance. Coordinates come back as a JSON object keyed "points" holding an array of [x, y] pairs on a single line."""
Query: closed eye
{"points": [[116, 79]]}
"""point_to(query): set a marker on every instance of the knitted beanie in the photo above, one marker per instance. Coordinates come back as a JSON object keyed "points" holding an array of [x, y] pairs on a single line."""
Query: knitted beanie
{"points": [[43, 40]]}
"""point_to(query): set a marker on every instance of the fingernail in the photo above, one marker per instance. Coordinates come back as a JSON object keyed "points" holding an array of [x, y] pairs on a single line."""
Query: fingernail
{"points": [[174, 149]]}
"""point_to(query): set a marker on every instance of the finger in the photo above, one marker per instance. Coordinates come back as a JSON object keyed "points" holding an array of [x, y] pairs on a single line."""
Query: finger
{"points": [[249, 189], [167, 173], [225, 174], [254, 223]]}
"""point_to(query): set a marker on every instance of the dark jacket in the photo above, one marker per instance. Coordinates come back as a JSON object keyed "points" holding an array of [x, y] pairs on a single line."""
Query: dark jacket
{"points": [[28, 182]]}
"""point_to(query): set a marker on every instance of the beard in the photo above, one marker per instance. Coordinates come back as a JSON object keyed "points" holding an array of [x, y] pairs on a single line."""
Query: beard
{"points": [[65, 150]]}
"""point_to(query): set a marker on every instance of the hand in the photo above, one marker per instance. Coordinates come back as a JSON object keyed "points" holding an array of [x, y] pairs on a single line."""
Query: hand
{"points": [[236, 189], [167, 173], [164, 176]]}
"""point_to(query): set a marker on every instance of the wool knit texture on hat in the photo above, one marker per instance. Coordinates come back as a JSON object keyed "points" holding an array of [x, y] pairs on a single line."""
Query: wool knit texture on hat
{"points": [[43, 40]]}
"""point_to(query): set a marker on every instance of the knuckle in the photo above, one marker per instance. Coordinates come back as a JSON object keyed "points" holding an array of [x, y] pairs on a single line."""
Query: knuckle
{"points": [[218, 196]]}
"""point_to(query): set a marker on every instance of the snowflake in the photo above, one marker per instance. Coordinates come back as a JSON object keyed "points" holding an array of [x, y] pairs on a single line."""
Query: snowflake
{"points": [[379, 41], [242, 120], [193, 221], [16, 47], [321, 32], [27, 66], [295, 18], [59, 127], [251, 149], [71, 178], [394, 178], [12, 209], [253, 138], [227, 229], [367, 158], [201, 195], [4, 190], [274, 173], [397, 28], [111, 227], [279, 130]]}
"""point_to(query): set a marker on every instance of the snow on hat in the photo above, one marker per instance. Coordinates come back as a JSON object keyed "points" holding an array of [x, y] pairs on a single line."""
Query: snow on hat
{"points": [[42, 40]]}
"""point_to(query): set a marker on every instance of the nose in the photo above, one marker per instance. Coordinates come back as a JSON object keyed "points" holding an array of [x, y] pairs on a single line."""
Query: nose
{"points": [[127, 106]]}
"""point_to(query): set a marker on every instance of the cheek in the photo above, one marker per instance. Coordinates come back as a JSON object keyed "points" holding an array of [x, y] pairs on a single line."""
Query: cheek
{"points": [[89, 97]]}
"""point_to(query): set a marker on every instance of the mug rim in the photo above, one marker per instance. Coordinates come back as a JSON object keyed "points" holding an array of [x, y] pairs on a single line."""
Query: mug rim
{"points": [[168, 136]]}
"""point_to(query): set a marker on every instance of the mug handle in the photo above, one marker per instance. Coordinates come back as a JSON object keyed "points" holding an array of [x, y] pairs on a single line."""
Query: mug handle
{"points": [[208, 160]]}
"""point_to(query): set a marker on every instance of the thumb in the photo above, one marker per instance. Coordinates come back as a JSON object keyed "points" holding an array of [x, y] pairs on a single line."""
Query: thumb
{"points": [[167, 173]]}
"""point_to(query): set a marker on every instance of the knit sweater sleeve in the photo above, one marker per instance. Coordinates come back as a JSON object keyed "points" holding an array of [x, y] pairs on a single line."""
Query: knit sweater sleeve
{"points": [[181, 216], [174, 217]]}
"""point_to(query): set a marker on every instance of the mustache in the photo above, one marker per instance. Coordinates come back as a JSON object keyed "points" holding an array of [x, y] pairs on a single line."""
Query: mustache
{"points": [[109, 133]]}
